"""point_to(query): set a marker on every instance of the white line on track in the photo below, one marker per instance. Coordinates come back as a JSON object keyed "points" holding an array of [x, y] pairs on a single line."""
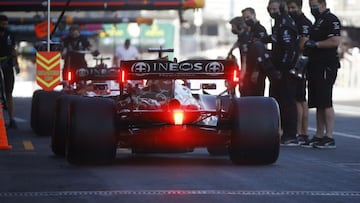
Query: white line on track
{"points": [[348, 110], [180, 192]]}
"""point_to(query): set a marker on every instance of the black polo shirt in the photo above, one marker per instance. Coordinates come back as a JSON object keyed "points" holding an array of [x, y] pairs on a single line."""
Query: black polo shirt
{"points": [[303, 24], [285, 43], [326, 26], [258, 31], [7, 44]]}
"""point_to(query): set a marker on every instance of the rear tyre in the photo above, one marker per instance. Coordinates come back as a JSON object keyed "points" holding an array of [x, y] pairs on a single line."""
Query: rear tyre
{"points": [[33, 112], [61, 126], [91, 137], [43, 111], [255, 137]]}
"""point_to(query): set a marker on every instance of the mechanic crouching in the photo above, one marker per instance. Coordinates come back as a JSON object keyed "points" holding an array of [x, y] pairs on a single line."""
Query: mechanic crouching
{"points": [[239, 28], [284, 53], [258, 61], [255, 59]]}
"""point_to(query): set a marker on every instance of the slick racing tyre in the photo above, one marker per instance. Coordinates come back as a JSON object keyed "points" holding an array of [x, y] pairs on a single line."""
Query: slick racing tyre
{"points": [[43, 111], [91, 137], [255, 137], [34, 111], [61, 126]]}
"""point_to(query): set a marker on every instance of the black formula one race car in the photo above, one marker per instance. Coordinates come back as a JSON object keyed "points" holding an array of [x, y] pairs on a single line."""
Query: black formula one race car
{"points": [[156, 109]]}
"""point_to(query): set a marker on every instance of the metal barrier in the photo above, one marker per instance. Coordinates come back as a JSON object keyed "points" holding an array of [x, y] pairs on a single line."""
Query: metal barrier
{"points": [[349, 73]]}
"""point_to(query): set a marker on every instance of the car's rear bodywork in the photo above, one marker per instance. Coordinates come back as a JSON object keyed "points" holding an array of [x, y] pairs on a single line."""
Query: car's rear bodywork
{"points": [[154, 109]]}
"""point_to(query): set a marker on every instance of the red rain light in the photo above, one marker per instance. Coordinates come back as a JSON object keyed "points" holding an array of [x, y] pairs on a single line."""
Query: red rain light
{"points": [[123, 76], [178, 116], [69, 76], [236, 76]]}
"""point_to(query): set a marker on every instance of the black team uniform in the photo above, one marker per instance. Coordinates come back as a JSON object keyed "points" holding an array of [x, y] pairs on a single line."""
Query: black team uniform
{"points": [[284, 53]]}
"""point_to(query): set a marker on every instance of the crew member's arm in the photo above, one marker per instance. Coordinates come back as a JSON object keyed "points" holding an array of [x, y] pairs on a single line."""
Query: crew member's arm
{"points": [[85, 43], [331, 42], [260, 52], [304, 32], [235, 45], [14, 56], [333, 36], [302, 42], [15, 62]]}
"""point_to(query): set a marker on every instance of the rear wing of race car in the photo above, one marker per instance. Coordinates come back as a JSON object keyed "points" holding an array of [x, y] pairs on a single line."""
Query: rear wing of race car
{"points": [[190, 69], [163, 69]]}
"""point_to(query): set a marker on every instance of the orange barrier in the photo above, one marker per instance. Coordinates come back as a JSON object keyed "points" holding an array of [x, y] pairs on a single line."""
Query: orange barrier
{"points": [[3, 137]]}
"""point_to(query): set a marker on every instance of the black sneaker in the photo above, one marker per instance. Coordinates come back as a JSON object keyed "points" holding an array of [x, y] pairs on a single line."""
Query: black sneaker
{"points": [[290, 142], [325, 143], [311, 142], [302, 139]]}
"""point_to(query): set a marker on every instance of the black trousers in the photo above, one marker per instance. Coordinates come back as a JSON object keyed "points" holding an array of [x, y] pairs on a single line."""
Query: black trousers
{"points": [[284, 91], [9, 78]]}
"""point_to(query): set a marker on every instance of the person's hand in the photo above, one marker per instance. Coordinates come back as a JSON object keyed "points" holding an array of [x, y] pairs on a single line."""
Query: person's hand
{"points": [[231, 50], [310, 44], [230, 56], [17, 69]]}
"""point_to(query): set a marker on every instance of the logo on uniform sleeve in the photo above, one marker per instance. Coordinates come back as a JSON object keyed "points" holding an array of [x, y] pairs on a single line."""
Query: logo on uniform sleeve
{"points": [[336, 25], [286, 36], [306, 29]]}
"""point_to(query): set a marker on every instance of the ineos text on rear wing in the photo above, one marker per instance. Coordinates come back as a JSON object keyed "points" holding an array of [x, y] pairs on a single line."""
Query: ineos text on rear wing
{"points": [[157, 69]]}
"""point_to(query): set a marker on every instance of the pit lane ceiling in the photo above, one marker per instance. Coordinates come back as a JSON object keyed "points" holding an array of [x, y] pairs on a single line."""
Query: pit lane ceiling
{"points": [[96, 5]]}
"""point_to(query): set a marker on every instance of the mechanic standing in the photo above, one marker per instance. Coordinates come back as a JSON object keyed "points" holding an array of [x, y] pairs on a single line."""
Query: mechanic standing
{"points": [[8, 60], [284, 53], [303, 24], [256, 29], [322, 70], [75, 48], [253, 82], [126, 52]]}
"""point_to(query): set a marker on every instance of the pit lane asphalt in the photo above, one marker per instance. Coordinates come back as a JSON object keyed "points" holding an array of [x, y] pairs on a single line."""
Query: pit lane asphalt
{"points": [[30, 173]]}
